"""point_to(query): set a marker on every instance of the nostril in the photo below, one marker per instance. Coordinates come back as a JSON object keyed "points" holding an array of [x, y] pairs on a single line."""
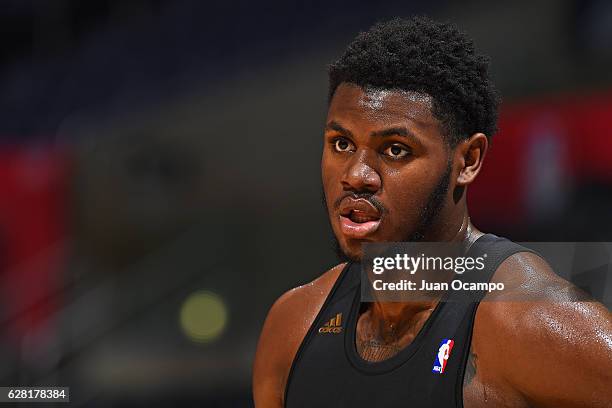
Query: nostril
{"points": [[362, 177]]}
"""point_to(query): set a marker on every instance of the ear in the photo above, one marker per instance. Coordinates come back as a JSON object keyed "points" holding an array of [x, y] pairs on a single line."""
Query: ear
{"points": [[470, 154]]}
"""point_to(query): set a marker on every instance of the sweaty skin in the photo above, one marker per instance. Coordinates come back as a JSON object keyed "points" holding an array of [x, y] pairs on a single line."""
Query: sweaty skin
{"points": [[388, 145]]}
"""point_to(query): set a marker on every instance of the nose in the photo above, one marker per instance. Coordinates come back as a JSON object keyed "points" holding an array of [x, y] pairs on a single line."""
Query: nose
{"points": [[360, 175]]}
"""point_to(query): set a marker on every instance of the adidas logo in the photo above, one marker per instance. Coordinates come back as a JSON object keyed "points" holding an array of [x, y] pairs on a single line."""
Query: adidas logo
{"points": [[333, 326]]}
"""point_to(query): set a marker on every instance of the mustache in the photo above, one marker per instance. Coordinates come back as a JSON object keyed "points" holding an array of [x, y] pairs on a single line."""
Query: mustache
{"points": [[371, 198]]}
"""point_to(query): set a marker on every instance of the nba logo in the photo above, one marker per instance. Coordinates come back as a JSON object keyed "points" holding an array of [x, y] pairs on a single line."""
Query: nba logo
{"points": [[443, 353]]}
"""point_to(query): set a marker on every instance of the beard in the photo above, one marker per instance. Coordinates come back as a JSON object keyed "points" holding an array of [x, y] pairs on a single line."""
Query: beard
{"points": [[426, 217], [431, 209]]}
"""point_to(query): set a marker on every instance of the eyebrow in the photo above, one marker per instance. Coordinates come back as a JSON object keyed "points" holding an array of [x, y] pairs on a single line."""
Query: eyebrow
{"points": [[392, 131], [333, 125]]}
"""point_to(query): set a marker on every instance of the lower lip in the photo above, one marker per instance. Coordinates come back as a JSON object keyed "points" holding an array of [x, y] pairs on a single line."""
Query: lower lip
{"points": [[358, 230]]}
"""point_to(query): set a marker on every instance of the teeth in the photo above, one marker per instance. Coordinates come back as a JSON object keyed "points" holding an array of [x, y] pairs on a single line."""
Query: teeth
{"points": [[360, 218]]}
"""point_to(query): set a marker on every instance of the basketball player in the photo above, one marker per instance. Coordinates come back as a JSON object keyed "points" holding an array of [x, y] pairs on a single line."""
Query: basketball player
{"points": [[410, 118]]}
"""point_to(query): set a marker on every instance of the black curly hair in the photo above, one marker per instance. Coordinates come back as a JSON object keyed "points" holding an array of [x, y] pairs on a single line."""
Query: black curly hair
{"points": [[421, 55]]}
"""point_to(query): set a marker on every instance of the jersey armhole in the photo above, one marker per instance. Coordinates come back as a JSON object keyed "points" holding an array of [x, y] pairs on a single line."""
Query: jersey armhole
{"points": [[508, 249], [309, 334]]}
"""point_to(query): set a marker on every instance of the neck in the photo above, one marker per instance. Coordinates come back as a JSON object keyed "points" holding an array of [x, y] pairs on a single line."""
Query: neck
{"points": [[395, 321], [453, 225]]}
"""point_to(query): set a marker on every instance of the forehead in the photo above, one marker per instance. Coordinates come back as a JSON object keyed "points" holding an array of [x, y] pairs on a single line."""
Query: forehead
{"points": [[381, 107]]}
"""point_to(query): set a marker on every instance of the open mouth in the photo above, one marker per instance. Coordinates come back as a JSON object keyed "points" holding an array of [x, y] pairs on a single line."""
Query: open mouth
{"points": [[358, 218]]}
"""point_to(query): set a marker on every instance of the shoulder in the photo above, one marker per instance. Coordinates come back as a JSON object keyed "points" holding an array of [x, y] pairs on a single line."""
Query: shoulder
{"points": [[287, 323], [544, 337]]}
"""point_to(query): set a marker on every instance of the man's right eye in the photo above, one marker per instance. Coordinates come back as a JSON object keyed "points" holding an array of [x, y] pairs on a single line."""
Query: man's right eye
{"points": [[342, 145]]}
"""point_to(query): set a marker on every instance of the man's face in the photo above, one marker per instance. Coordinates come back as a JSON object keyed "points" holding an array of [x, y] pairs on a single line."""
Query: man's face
{"points": [[385, 166]]}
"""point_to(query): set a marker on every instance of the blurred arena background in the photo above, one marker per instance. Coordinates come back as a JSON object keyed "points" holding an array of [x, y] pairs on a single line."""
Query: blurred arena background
{"points": [[160, 185]]}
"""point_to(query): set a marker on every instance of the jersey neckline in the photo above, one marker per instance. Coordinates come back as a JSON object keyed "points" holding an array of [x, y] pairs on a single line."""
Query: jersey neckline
{"points": [[394, 362]]}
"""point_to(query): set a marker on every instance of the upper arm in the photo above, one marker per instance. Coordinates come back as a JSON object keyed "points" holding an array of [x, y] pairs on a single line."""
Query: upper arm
{"points": [[273, 356], [554, 351], [563, 355]]}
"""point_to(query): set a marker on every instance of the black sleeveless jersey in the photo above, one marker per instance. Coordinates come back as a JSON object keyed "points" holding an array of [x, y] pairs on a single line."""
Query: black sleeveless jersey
{"points": [[328, 371]]}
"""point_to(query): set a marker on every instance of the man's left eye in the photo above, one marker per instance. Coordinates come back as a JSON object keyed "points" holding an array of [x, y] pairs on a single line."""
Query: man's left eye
{"points": [[396, 151]]}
